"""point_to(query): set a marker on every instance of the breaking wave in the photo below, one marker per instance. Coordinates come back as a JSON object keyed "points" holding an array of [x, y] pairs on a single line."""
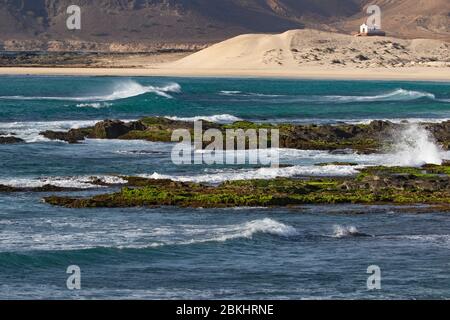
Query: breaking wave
{"points": [[248, 230], [95, 105], [219, 118], [78, 182], [396, 120], [112, 235], [261, 173], [322, 121], [395, 95], [29, 130], [249, 94], [121, 90]]}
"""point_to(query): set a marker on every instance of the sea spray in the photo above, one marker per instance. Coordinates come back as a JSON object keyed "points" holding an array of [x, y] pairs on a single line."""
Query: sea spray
{"points": [[415, 146]]}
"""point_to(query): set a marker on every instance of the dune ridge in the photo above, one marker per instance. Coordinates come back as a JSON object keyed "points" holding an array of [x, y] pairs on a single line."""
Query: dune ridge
{"points": [[313, 48]]}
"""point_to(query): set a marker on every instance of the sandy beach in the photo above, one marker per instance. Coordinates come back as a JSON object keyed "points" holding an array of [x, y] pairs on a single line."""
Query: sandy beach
{"points": [[410, 74]]}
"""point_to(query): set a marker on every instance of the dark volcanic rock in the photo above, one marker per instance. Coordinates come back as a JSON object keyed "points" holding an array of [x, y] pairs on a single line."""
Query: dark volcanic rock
{"points": [[362, 138], [10, 140], [113, 129], [378, 184], [44, 188], [108, 129], [441, 132], [4, 188], [71, 136]]}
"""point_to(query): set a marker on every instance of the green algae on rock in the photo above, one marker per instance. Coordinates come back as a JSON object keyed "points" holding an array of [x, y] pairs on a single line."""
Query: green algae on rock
{"points": [[393, 185], [363, 138]]}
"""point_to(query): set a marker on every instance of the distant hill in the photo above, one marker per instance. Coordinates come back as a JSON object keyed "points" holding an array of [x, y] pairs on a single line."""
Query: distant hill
{"points": [[408, 18], [133, 25]]}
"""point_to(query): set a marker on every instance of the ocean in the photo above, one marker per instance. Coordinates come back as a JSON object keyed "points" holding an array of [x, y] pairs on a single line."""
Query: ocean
{"points": [[306, 252]]}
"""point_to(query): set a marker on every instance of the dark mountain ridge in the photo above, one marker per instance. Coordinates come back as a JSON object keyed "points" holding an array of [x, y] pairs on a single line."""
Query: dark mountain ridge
{"points": [[130, 25]]}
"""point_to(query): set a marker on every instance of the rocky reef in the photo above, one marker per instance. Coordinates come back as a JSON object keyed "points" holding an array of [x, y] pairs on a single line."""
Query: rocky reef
{"points": [[429, 184], [44, 188], [10, 140], [363, 138]]}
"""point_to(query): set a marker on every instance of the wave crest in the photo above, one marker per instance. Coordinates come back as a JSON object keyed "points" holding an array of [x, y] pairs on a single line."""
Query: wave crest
{"points": [[95, 105], [267, 225], [394, 95], [261, 173], [219, 118], [116, 235], [121, 90]]}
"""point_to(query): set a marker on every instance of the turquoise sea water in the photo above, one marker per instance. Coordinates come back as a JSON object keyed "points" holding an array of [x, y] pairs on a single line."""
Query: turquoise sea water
{"points": [[245, 253]]}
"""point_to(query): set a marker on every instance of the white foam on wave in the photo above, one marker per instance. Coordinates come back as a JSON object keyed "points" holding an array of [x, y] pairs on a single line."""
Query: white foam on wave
{"points": [[219, 118], [79, 182], [420, 152], [248, 230], [121, 90], [415, 146], [394, 95], [248, 94], [29, 130], [229, 92], [94, 105], [128, 89], [397, 120], [350, 121], [87, 233], [260, 173], [322, 156]]}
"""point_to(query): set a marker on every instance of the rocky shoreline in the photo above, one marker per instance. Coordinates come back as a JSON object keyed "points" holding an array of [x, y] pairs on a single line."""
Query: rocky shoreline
{"points": [[429, 184], [10, 140], [363, 138]]}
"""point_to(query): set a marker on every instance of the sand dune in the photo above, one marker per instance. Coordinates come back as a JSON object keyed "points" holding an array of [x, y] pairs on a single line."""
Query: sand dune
{"points": [[245, 51], [311, 48]]}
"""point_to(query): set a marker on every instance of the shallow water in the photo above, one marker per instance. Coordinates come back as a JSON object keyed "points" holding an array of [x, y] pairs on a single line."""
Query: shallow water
{"points": [[306, 252]]}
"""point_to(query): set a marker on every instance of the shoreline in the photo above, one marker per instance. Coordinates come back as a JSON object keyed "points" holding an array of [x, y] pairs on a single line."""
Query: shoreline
{"points": [[313, 73]]}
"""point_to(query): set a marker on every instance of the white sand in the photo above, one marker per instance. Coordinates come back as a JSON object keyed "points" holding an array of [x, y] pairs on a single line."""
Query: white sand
{"points": [[295, 54]]}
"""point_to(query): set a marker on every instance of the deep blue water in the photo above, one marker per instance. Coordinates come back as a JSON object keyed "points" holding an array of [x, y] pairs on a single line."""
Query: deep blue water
{"points": [[246, 253]]}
